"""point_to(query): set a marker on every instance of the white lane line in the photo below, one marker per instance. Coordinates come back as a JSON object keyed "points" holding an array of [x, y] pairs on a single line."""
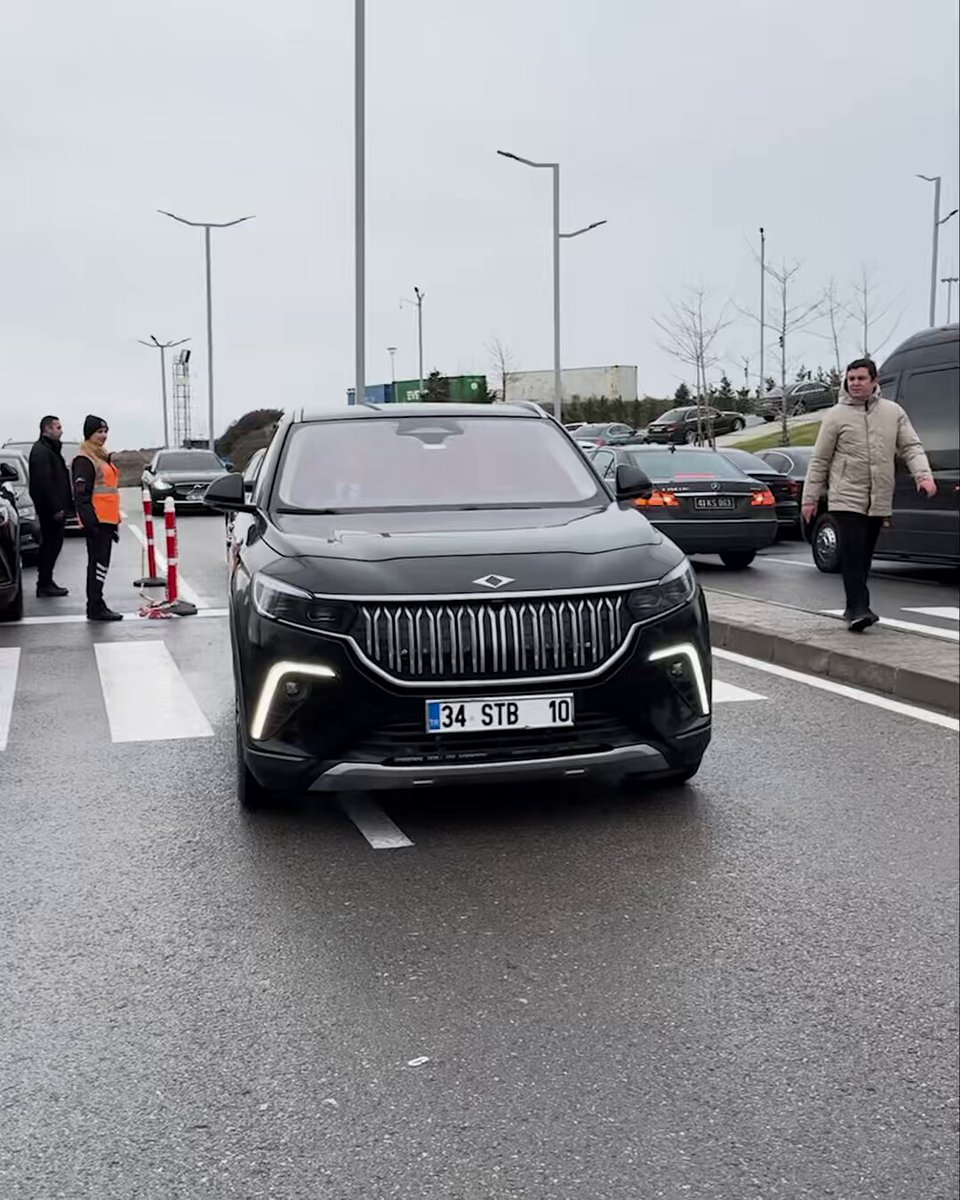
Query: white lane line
{"points": [[9, 665], [727, 693], [373, 823], [146, 697], [186, 591], [843, 689], [946, 612], [80, 619], [948, 635], [787, 562]]}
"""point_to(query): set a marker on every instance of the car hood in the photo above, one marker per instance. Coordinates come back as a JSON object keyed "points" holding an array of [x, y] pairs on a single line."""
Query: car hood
{"points": [[445, 553], [200, 476]]}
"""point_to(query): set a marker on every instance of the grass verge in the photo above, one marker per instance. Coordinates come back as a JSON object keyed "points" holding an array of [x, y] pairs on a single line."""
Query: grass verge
{"points": [[799, 435]]}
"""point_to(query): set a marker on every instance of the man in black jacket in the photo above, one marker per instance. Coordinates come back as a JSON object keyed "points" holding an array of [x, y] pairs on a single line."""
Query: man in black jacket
{"points": [[51, 493]]}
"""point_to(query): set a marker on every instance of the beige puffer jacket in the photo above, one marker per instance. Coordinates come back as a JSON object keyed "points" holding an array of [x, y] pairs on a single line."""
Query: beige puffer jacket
{"points": [[855, 455]]}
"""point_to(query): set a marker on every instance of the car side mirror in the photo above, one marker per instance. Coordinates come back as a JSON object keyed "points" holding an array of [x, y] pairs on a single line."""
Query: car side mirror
{"points": [[227, 464], [8, 474], [228, 495], [632, 483]]}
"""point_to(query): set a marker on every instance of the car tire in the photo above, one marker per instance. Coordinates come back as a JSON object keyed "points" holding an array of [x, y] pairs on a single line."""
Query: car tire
{"points": [[14, 610], [800, 408], [738, 425], [769, 419], [690, 437], [737, 560], [825, 544], [251, 796]]}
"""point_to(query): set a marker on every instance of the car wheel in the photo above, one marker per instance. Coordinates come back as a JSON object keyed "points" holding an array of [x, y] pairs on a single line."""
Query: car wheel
{"points": [[825, 542], [737, 560], [251, 796], [738, 425], [14, 610], [800, 408], [769, 418], [690, 437]]}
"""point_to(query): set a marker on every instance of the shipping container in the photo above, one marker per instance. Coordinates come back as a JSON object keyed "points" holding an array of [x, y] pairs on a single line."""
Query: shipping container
{"points": [[375, 393], [463, 389], [583, 383]]}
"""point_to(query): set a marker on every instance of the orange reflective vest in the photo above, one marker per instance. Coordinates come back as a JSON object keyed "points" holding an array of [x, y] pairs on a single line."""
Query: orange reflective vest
{"points": [[106, 491]]}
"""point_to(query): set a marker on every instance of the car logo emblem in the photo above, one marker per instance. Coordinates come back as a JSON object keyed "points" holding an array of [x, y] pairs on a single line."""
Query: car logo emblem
{"points": [[494, 581], [715, 486]]}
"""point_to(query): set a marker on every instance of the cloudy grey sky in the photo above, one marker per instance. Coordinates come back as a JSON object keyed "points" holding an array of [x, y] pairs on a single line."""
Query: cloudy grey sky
{"points": [[685, 123]]}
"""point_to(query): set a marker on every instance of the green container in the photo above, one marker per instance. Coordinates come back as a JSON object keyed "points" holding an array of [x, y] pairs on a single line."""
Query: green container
{"points": [[464, 389]]}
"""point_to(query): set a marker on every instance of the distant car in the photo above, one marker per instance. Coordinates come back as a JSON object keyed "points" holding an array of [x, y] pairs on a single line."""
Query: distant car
{"points": [[29, 521], [611, 434], [679, 425], [11, 570], [699, 500], [786, 491], [70, 450], [808, 396], [573, 426], [183, 475]]}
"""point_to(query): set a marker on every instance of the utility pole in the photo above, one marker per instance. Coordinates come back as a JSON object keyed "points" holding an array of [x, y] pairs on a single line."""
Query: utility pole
{"points": [[950, 280], [935, 253], [392, 351], [163, 347], [359, 199], [418, 305], [761, 388]]}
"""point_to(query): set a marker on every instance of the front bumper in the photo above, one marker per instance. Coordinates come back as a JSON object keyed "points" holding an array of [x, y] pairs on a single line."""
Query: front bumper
{"points": [[353, 730]]}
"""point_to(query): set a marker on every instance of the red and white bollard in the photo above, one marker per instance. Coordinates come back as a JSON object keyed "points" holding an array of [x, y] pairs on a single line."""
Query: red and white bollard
{"points": [[152, 578], [182, 608]]}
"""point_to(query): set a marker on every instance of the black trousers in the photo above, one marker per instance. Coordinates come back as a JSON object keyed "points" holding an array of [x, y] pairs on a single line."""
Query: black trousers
{"points": [[99, 546], [51, 543], [858, 539]]}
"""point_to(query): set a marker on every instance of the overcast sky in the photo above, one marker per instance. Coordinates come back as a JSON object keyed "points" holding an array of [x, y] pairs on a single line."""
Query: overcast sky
{"points": [[684, 123]]}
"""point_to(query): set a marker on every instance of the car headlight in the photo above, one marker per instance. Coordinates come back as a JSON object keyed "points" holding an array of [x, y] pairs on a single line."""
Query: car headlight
{"points": [[280, 601], [676, 588], [161, 484]]}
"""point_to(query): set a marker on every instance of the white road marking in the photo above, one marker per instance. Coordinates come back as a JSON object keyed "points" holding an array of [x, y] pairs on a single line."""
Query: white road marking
{"points": [[787, 562], [843, 689], [948, 635], [726, 693], [146, 697], [80, 619], [373, 823], [9, 665], [186, 591], [946, 612]]}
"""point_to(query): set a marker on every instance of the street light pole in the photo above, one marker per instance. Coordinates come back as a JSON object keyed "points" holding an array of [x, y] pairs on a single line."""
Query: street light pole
{"points": [[557, 235], [360, 370], [761, 388], [163, 347], [937, 222], [950, 280], [418, 304], [392, 351], [206, 226]]}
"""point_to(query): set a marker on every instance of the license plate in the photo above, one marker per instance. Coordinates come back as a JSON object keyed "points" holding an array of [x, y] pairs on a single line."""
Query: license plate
{"points": [[713, 502], [505, 712]]}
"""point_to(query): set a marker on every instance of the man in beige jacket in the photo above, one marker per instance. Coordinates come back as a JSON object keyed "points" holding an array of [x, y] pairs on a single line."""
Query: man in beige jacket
{"points": [[855, 460]]}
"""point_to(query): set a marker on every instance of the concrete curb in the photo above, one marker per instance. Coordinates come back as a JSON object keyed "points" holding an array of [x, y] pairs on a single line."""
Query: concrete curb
{"points": [[905, 666]]}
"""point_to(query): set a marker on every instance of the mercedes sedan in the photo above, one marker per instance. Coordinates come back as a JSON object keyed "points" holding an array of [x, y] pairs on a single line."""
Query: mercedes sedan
{"points": [[448, 594]]}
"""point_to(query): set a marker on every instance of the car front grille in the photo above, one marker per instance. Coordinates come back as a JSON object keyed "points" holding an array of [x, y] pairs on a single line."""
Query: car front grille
{"points": [[492, 639], [181, 490]]}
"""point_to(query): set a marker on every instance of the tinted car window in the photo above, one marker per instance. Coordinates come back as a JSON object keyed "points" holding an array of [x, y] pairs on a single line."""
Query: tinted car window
{"points": [[253, 466], [747, 461], [674, 414], [433, 462], [604, 463], [931, 400], [16, 461], [189, 460], [684, 464], [888, 386], [777, 461]]}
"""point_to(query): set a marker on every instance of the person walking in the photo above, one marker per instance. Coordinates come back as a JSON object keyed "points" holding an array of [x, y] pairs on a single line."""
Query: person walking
{"points": [[96, 490], [51, 494], [854, 458]]}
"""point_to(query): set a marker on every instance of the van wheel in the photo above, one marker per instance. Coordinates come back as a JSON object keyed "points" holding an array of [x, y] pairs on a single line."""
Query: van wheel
{"points": [[738, 560], [825, 542]]}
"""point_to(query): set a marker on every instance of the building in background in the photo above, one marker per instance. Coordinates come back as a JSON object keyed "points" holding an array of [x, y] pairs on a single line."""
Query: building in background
{"points": [[577, 383]]}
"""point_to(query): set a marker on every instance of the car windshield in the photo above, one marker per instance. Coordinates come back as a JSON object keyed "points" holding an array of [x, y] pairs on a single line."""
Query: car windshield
{"points": [[427, 461], [673, 414], [747, 461], [189, 460], [15, 461], [684, 464]]}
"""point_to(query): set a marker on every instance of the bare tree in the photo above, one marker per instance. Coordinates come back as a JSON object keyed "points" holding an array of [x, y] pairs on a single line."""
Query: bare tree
{"points": [[869, 311], [690, 333], [502, 362], [836, 312]]}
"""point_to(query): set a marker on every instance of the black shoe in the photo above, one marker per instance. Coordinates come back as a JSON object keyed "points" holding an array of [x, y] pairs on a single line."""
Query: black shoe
{"points": [[104, 614], [872, 618], [49, 590], [858, 623]]}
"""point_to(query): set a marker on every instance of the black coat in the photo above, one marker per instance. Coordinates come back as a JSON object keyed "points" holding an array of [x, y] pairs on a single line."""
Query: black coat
{"points": [[50, 487]]}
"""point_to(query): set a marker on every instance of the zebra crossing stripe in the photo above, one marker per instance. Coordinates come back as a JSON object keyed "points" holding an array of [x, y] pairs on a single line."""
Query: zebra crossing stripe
{"points": [[9, 666], [146, 697], [728, 693], [946, 612]]}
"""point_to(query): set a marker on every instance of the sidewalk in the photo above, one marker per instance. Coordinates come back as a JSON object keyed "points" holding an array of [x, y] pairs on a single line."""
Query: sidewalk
{"points": [[905, 666]]}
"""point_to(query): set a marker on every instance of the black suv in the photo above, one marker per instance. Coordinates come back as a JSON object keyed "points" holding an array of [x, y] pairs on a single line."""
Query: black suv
{"points": [[449, 594]]}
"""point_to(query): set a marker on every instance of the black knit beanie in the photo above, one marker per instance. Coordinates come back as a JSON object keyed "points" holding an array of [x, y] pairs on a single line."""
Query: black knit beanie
{"points": [[91, 425]]}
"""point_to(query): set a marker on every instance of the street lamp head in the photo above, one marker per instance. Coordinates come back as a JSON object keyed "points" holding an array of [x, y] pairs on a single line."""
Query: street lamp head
{"points": [[205, 224], [948, 216], [929, 178]]}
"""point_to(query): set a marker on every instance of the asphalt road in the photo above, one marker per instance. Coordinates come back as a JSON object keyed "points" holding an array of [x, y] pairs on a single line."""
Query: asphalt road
{"points": [[744, 988]]}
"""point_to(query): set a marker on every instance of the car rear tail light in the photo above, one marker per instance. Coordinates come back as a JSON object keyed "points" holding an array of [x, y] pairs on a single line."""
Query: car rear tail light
{"points": [[763, 499], [657, 500], [600, 442]]}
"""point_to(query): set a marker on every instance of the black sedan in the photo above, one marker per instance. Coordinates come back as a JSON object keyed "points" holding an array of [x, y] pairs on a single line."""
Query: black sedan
{"points": [[679, 426], [11, 573], [183, 475], [699, 499], [69, 450], [29, 521], [612, 434], [809, 396], [786, 491]]}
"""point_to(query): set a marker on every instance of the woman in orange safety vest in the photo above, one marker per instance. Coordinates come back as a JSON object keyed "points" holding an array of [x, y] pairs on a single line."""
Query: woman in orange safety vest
{"points": [[96, 490]]}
